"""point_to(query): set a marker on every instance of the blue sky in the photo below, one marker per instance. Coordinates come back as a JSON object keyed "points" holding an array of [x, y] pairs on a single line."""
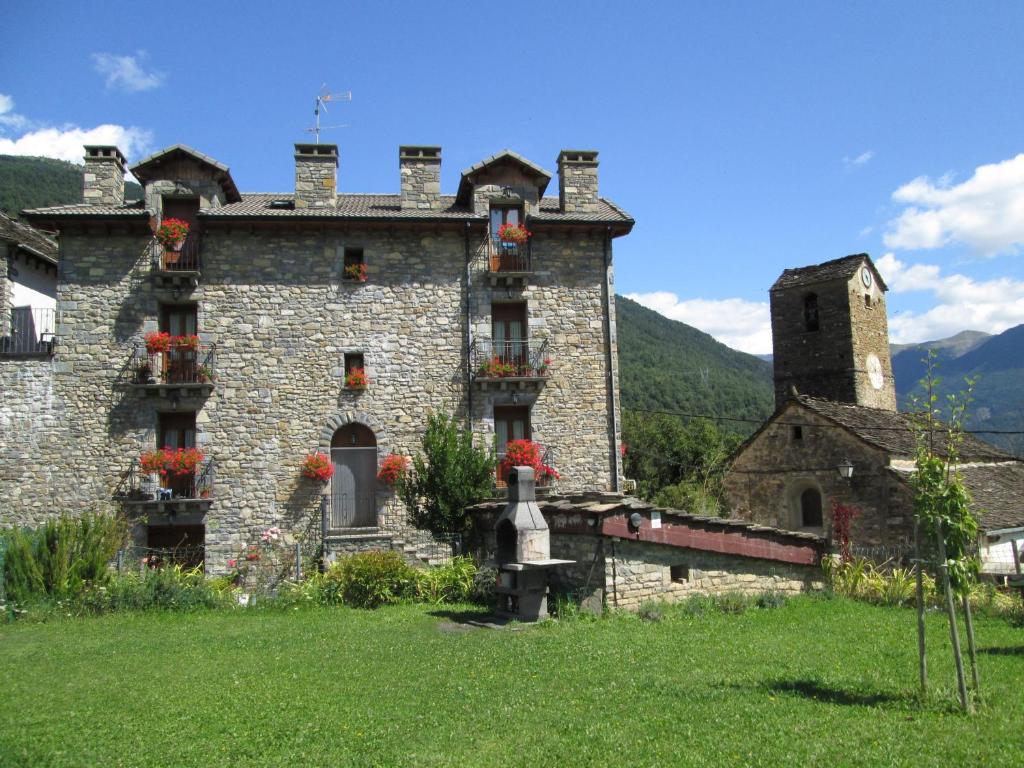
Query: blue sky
{"points": [[744, 138]]}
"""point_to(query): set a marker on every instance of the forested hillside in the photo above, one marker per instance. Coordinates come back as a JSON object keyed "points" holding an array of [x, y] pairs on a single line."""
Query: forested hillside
{"points": [[35, 182], [665, 365]]}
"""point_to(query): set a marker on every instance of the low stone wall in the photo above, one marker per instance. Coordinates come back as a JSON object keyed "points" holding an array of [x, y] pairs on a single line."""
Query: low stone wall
{"points": [[639, 572]]}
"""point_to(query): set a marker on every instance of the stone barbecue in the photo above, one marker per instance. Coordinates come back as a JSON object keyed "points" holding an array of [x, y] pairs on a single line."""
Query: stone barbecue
{"points": [[523, 555]]}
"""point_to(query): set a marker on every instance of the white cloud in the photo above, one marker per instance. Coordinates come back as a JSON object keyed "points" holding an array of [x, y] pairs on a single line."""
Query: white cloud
{"points": [[66, 142], [737, 323], [986, 212], [861, 159], [8, 117], [125, 72], [963, 303]]}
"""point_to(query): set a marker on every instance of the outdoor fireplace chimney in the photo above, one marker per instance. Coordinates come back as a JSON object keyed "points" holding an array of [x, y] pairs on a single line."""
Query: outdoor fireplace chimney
{"points": [[523, 554]]}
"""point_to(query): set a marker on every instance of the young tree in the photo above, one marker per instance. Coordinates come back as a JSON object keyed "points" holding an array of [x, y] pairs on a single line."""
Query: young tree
{"points": [[942, 512], [449, 475]]}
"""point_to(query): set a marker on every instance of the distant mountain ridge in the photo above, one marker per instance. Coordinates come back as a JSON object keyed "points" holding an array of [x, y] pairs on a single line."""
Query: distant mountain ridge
{"points": [[997, 364]]}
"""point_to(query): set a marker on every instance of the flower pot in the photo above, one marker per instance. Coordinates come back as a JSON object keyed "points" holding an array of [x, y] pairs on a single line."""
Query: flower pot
{"points": [[172, 254]]}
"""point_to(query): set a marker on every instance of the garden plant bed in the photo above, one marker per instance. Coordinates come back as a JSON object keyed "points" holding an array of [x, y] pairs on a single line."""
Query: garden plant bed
{"points": [[813, 682]]}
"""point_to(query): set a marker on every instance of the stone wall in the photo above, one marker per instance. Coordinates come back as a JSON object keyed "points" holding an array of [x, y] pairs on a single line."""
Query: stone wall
{"points": [[765, 481], [104, 176], [577, 180], [831, 363], [316, 175], [420, 171], [640, 572]]}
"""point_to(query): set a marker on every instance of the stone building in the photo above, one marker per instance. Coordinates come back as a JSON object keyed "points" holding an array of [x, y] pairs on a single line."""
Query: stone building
{"points": [[289, 294], [28, 289], [836, 435]]}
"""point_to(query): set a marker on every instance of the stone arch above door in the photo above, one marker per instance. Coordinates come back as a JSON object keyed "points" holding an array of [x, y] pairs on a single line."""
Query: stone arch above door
{"points": [[344, 418]]}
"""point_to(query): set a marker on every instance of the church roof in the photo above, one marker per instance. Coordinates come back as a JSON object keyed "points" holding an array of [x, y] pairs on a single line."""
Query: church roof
{"points": [[837, 269], [892, 431]]}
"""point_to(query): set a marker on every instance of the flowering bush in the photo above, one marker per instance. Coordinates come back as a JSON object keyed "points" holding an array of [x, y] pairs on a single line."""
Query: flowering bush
{"points": [[158, 341], [842, 517], [392, 468], [171, 232], [356, 379], [514, 233], [270, 535], [526, 453], [172, 461], [185, 342], [318, 466], [356, 272]]}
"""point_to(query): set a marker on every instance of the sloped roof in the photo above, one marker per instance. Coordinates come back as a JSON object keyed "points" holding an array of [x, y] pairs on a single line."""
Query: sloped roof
{"points": [[30, 238], [377, 207], [995, 488], [838, 269], [891, 431], [505, 156], [148, 168]]}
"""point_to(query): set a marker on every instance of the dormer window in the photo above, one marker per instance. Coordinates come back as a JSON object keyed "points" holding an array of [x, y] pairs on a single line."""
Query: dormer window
{"points": [[811, 312], [504, 214]]}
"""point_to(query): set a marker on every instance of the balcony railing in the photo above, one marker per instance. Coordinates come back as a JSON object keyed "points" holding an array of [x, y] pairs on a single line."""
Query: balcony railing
{"points": [[498, 360], [31, 331], [176, 366], [510, 257], [142, 487], [187, 259], [542, 480]]}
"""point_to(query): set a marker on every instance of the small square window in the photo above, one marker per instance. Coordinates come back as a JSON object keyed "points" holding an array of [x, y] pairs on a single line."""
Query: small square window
{"points": [[798, 433], [353, 268], [355, 371], [680, 573], [867, 300]]}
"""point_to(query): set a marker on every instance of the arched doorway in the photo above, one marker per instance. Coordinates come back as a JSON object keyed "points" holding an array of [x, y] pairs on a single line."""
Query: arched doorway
{"points": [[353, 486]]}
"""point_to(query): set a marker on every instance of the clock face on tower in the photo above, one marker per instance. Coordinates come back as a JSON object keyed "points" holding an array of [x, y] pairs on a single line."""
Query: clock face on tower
{"points": [[875, 375]]}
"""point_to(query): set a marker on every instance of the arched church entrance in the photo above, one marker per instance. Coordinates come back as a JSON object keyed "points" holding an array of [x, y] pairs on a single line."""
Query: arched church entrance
{"points": [[354, 483]]}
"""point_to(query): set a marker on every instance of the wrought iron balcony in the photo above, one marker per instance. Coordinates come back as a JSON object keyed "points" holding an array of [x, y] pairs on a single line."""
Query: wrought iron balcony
{"points": [[543, 479], [144, 492], [509, 264], [522, 365], [180, 372], [31, 331], [178, 269]]}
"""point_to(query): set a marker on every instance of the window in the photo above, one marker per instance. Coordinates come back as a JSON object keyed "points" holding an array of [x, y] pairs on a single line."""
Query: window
{"points": [[511, 422], [811, 312], [176, 544], [508, 333], [810, 508], [680, 573], [504, 214], [798, 433], [867, 300], [355, 371], [174, 431], [354, 266]]}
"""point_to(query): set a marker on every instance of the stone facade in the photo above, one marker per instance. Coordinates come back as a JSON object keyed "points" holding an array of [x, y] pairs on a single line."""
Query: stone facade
{"points": [[316, 175], [800, 450], [420, 168], [274, 304], [577, 180], [831, 355]]}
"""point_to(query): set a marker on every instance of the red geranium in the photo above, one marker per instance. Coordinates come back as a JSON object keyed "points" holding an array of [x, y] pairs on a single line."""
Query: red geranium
{"points": [[356, 379], [171, 232], [318, 466], [157, 341], [392, 468], [514, 233], [526, 453]]}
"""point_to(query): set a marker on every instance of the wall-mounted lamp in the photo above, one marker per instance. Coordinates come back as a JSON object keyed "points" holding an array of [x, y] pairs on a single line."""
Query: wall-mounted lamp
{"points": [[515, 398], [845, 469], [635, 521]]}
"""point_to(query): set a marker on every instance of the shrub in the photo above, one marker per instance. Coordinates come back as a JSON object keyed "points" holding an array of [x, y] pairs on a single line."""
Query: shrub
{"points": [[450, 583], [372, 579], [59, 559], [483, 585], [169, 588]]}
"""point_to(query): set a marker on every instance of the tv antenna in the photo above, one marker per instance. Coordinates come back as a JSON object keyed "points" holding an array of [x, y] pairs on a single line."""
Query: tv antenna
{"points": [[322, 100]]}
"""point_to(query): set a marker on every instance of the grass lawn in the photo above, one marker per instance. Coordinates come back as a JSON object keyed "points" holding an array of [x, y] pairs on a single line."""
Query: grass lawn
{"points": [[815, 682]]}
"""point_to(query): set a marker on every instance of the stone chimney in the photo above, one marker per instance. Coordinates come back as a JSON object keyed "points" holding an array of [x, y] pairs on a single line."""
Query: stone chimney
{"points": [[316, 175], [104, 176], [577, 180], [420, 168]]}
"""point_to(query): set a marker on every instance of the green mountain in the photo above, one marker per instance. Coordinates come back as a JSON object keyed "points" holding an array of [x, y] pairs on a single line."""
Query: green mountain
{"points": [[35, 182], [997, 365], [665, 365]]}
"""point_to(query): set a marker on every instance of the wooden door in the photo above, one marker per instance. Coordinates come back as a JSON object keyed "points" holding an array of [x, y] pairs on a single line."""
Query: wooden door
{"points": [[174, 431], [353, 492], [180, 365], [508, 332]]}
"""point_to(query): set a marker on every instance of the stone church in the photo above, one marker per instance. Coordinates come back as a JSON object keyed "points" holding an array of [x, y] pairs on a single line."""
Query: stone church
{"points": [[311, 320], [836, 434]]}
